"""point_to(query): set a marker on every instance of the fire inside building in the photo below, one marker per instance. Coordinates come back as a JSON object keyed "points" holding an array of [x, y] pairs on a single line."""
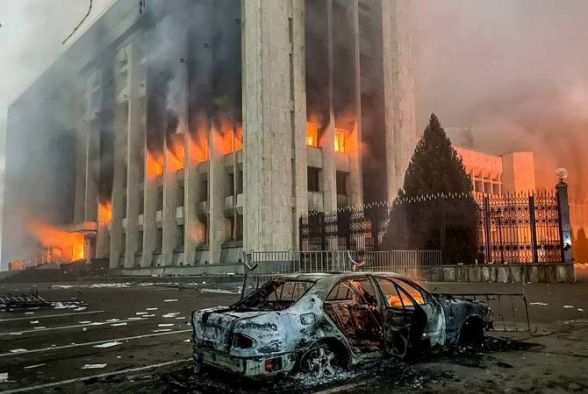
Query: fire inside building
{"points": [[193, 130]]}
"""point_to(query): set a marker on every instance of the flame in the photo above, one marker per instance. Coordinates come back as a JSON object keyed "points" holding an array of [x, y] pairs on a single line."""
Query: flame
{"points": [[312, 134], [69, 246], [153, 165], [198, 149], [229, 138], [340, 141], [175, 153], [105, 212]]}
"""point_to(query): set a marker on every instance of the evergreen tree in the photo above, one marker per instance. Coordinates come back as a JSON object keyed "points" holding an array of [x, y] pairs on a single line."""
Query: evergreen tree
{"points": [[448, 219], [435, 166]]}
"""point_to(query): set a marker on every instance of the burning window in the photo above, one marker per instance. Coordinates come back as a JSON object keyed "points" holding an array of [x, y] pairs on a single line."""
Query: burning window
{"points": [[340, 138], [312, 134]]}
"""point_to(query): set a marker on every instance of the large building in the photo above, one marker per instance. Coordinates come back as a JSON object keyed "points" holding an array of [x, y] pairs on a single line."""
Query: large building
{"points": [[498, 175], [182, 133]]}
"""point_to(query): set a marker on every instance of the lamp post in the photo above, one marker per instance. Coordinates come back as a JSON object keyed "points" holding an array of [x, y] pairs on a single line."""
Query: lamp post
{"points": [[565, 228]]}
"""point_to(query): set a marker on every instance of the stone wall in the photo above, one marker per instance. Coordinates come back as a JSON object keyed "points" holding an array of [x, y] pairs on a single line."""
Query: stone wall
{"points": [[528, 273]]}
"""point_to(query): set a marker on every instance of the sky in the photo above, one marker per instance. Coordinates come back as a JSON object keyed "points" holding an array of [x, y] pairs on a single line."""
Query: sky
{"points": [[517, 70]]}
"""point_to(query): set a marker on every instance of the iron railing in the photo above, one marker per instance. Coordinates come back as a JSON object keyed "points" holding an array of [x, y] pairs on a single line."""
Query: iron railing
{"points": [[510, 310], [290, 262], [512, 228]]}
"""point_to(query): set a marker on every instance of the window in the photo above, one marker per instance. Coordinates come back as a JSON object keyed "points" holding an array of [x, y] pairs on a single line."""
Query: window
{"points": [[204, 189], [313, 179], [124, 207], [239, 229], [341, 183], [180, 235], [312, 134], [415, 293], [159, 240], [275, 295], [240, 181], [390, 293], [160, 198], [231, 184], [395, 292], [352, 305], [340, 137]]}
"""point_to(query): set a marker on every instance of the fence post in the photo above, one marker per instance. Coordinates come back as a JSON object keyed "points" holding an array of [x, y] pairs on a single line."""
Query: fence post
{"points": [[533, 223], [565, 230], [376, 230], [487, 229], [348, 229], [300, 235], [323, 232]]}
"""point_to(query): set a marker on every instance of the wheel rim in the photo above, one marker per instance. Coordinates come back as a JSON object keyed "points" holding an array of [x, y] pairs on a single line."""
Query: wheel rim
{"points": [[318, 362]]}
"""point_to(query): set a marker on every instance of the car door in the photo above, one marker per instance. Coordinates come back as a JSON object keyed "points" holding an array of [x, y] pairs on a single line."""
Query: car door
{"points": [[404, 319]]}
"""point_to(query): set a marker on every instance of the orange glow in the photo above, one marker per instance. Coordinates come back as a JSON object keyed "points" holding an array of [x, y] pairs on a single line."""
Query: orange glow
{"points": [[312, 134], [229, 138], [61, 244], [105, 212], [198, 149], [153, 165], [340, 138], [175, 153]]}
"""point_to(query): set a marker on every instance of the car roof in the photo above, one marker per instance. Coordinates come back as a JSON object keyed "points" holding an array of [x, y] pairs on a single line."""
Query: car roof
{"points": [[317, 276]]}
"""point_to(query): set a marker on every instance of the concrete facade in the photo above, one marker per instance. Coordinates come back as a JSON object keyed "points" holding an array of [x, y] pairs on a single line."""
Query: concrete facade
{"points": [[200, 137], [498, 175]]}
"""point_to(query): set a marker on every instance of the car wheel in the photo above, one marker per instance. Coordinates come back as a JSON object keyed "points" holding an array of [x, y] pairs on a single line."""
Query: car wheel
{"points": [[472, 333], [319, 361]]}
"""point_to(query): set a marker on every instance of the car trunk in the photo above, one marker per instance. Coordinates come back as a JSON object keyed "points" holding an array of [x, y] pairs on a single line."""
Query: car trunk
{"points": [[214, 328]]}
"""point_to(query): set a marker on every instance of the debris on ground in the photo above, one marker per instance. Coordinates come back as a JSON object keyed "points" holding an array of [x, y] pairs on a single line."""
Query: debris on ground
{"points": [[94, 366]]}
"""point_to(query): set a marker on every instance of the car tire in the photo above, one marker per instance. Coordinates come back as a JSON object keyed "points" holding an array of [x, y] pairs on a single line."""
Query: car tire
{"points": [[319, 361], [472, 332]]}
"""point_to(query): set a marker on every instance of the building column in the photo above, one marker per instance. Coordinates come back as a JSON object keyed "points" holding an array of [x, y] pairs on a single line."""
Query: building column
{"points": [[92, 173], [80, 171], [269, 126], [400, 127], [118, 187], [218, 190], [193, 228], [149, 217], [355, 152], [298, 113], [136, 147], [329, 181], [174, 157]]}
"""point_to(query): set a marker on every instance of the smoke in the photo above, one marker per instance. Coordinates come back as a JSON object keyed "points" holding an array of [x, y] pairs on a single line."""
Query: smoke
{"points": [[516, 71]]}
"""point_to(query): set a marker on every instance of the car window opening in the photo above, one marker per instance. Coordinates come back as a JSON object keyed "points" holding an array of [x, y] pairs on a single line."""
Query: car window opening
{"points": [[275, 295], [352, 305]]}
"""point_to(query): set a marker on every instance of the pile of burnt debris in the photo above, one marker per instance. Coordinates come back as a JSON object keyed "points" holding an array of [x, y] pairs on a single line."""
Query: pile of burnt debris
{"points": [[22, 302], [417, 374]]}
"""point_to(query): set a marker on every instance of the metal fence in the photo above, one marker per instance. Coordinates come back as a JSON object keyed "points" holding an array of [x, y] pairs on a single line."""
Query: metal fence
{"points": [[510, 310], [517, 228], [520, 228], [289, 262]]}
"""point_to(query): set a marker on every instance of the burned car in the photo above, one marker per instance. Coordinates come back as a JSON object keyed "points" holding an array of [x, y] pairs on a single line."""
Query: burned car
{"points": [[321, 323]]}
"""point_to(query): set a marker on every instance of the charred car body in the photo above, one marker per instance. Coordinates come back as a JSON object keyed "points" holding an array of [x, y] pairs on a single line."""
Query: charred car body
{"points": [[314, 322]]}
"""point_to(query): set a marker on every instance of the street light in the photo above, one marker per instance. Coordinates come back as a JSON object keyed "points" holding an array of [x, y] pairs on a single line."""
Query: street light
{"points": [[562, 174]]}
